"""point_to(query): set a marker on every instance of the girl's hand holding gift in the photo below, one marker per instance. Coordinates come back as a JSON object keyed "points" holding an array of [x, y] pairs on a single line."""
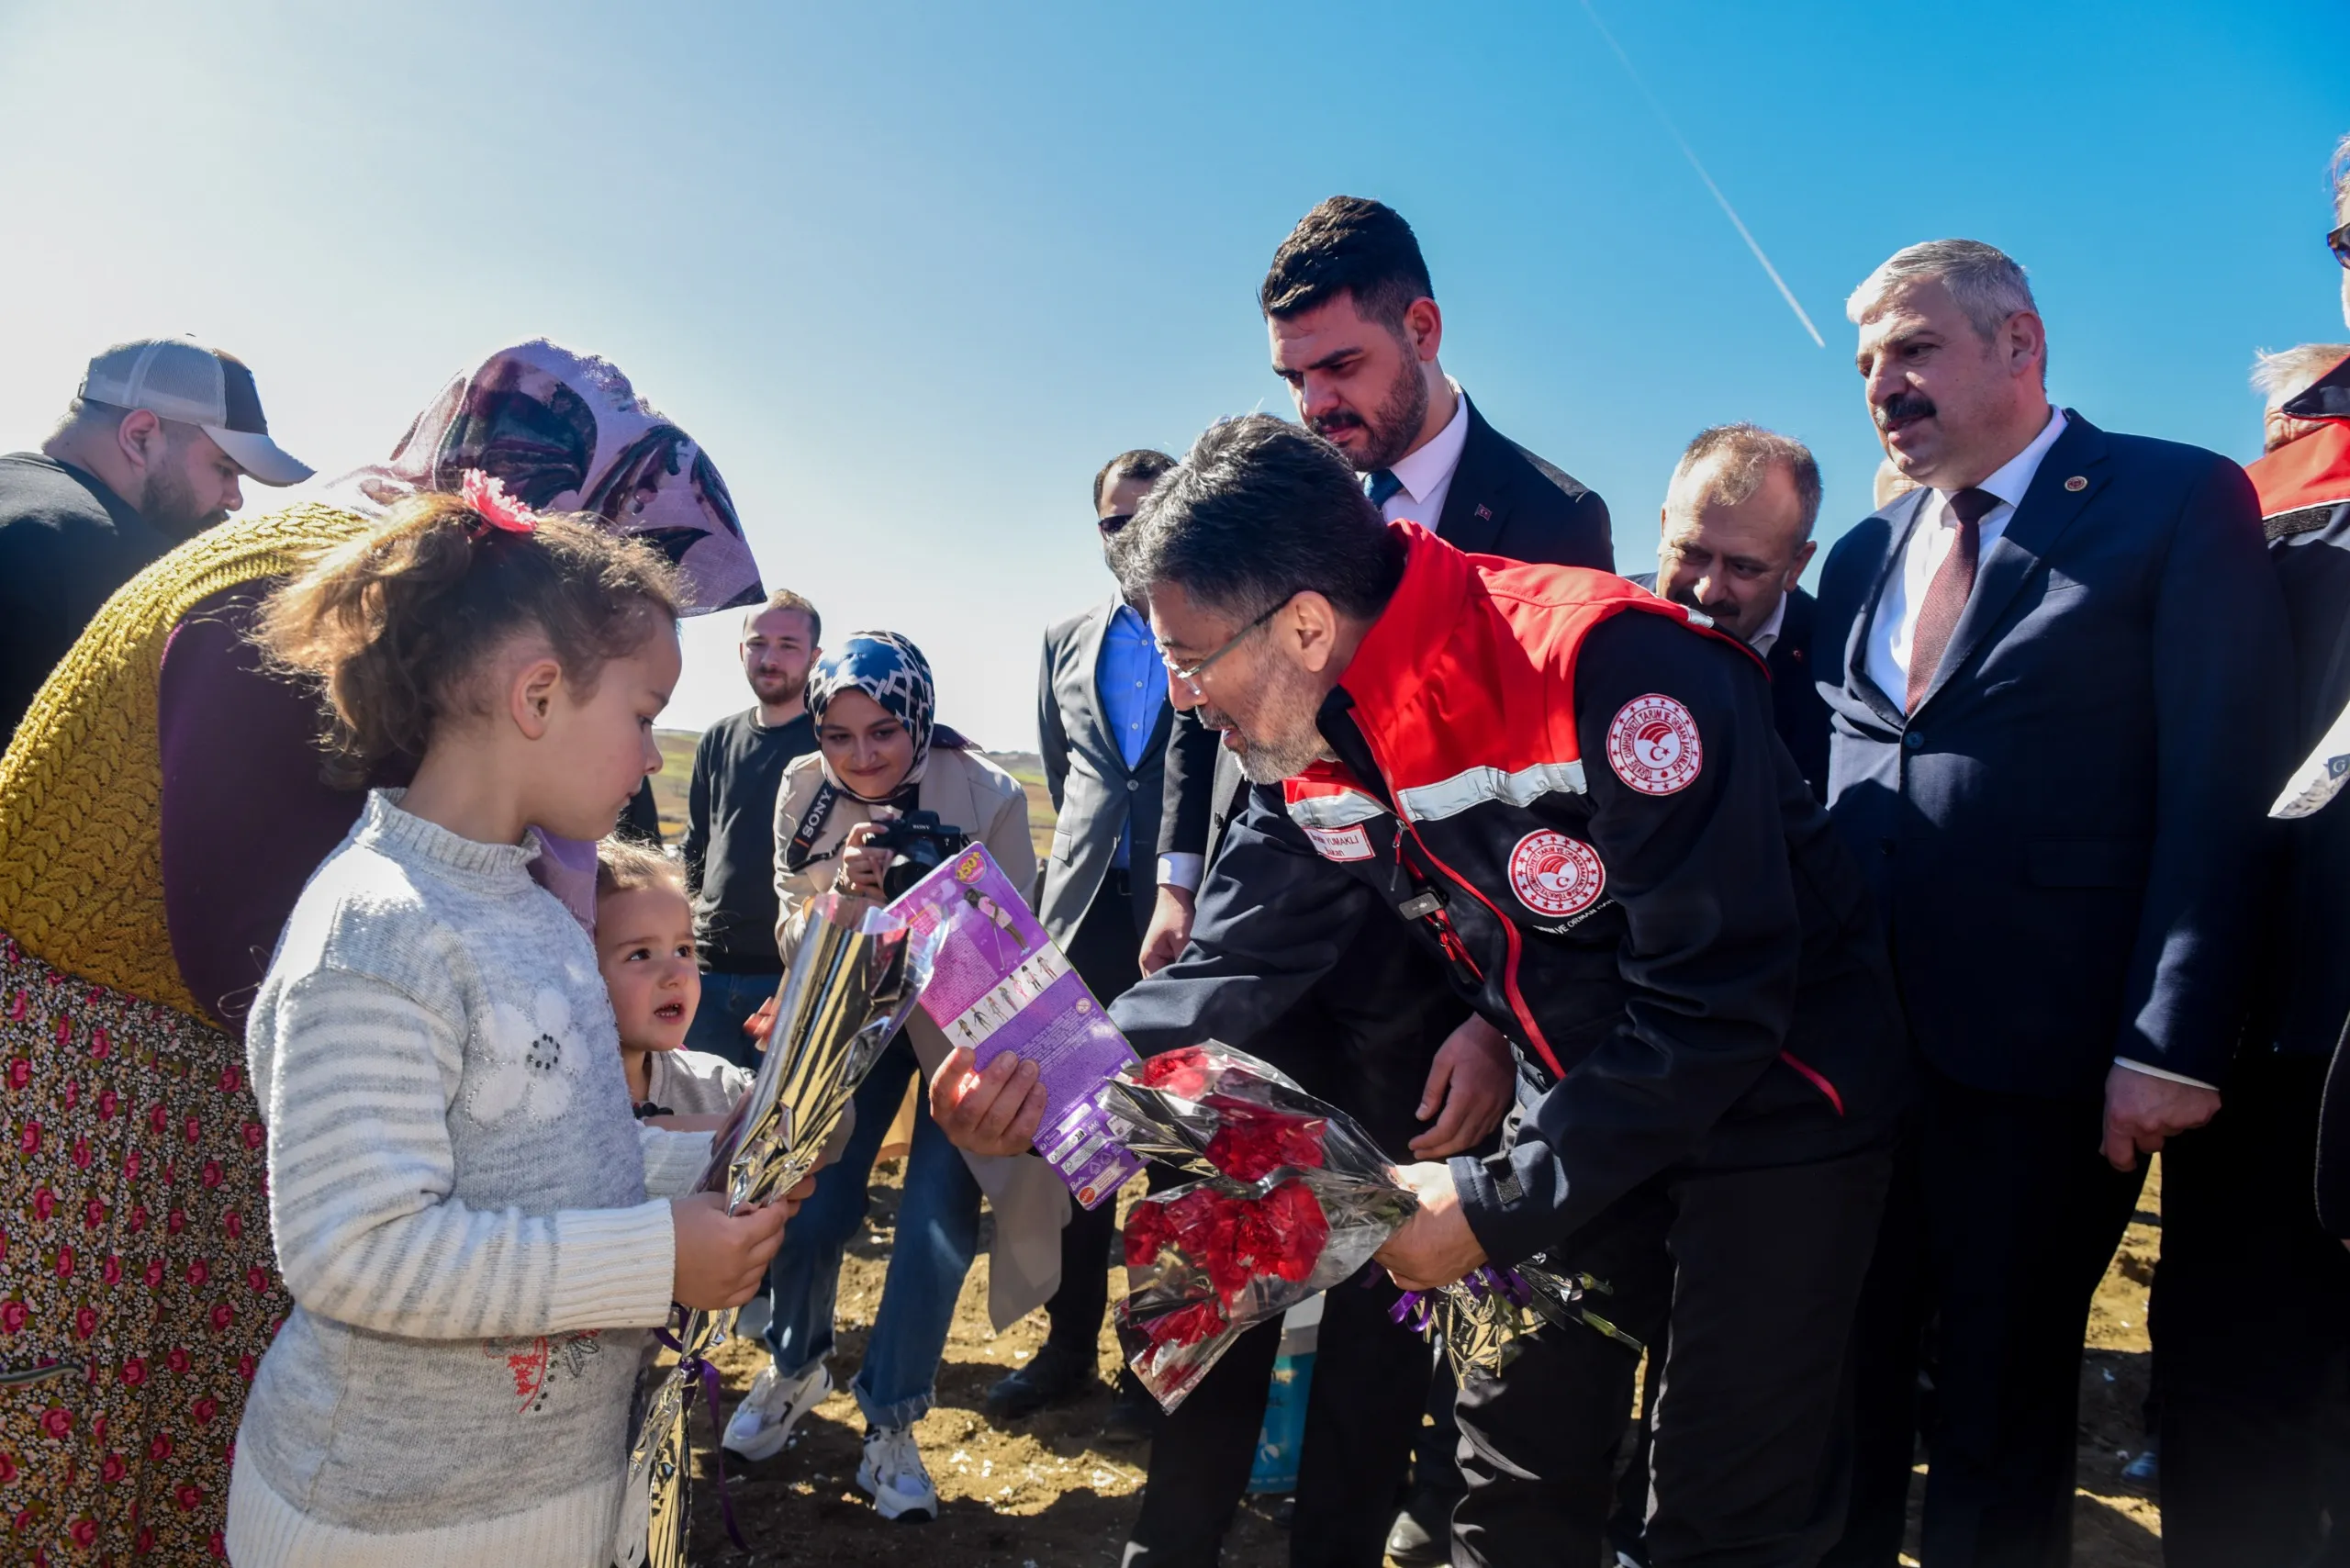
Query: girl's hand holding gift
{"points": [[722, 1258]]}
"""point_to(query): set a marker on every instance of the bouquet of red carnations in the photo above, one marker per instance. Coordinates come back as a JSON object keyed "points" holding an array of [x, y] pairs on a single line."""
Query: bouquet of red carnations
{"points": [[1295, 1198]]}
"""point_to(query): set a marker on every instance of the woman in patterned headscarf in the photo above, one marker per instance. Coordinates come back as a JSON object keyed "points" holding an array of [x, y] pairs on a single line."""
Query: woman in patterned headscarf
{"points": [[882, 754], [160, 807]]}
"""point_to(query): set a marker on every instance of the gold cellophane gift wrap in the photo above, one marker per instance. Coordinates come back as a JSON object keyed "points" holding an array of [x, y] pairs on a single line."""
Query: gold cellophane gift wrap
{"points": [[855, 978]]}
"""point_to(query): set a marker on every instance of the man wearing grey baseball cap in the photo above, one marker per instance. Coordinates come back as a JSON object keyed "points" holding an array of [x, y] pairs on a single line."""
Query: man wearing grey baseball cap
{"points": [[161, 434]]}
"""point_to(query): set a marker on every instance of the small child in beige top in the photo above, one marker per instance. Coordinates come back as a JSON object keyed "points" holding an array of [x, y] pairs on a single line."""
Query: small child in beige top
{"points": [[645, 946]]}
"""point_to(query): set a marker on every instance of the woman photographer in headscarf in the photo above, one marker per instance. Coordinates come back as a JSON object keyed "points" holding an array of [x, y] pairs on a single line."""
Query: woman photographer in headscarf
{"points": [[880, 756]]}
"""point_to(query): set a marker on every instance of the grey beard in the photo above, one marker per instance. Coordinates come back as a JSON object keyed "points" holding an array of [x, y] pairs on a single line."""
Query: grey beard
{"points": [[1272, 764]]}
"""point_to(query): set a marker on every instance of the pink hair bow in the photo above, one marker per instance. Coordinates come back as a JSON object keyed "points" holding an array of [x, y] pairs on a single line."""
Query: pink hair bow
{"points": [[489, 501]]}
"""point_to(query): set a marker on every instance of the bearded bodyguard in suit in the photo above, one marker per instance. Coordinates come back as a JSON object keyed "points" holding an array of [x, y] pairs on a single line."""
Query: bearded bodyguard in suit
{"points": [[2058, 706], [1355, 333], [1356, 330]]}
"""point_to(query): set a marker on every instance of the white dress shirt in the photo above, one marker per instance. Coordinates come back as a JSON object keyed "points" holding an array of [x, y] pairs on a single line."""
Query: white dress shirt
{"points": [[1768, 636], [1426, 474], [1895, 629]]}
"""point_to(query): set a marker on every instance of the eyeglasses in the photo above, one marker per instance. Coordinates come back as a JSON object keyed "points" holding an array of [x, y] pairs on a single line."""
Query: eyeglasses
{"points": [[1189, 674], [2339, 243], [1115, 521]]}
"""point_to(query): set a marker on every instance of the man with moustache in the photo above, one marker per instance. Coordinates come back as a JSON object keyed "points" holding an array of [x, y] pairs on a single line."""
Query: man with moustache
{"points": [[2059, 692], [150, 453], [730, 824], [1737, 518]]}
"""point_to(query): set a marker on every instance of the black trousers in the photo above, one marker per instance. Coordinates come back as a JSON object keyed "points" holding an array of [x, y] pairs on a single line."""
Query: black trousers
{"points": [[2020, 1215], [1745, 1281], [1887, 1354], [1361, 1413], [1105, 952], [2254, 1349]]}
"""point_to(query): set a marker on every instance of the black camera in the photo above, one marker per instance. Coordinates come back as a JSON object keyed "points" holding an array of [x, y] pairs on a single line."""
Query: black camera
{"points": [[918, 844]]}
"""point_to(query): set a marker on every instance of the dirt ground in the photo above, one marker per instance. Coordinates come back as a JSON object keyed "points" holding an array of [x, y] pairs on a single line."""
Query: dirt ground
{"points": [[1045, 1493]]}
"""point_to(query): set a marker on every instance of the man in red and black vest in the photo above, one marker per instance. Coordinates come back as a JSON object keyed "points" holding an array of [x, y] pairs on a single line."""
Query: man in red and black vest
{"points": [[1571, 791]]}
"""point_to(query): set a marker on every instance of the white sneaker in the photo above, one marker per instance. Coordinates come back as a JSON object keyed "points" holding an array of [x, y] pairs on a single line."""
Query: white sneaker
{"points": [[892, 1471], [762, 1424]]}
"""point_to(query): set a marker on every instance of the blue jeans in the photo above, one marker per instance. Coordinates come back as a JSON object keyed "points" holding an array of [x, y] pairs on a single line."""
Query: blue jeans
{"points": [[726, 1001], [938, 1231]]}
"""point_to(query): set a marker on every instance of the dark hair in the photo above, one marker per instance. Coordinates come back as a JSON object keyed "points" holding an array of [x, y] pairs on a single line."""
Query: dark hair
{"points": [[784, 599], [1259, 511], [395, 626], [1349, 245], [1142, 462]]}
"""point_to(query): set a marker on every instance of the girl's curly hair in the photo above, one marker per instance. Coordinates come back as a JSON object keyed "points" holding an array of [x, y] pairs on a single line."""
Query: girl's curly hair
{"points": [[397, 627]]}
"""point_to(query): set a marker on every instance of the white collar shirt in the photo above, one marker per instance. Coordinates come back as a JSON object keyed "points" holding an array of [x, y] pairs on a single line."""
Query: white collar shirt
{"points": [[1768, 636], [1426, 474], [1895, 629]]}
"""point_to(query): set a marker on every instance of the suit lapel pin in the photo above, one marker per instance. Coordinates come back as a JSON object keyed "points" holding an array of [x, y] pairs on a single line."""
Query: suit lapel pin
{"points": [[2076, 484], [1484, 512]]}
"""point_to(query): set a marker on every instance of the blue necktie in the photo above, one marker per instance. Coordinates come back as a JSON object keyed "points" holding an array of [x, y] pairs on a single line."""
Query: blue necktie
{"points": [[1383, 486]]}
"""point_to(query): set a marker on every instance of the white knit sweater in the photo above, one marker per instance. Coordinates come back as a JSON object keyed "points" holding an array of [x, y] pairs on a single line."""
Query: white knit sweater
{"points": [[458, 1195]]}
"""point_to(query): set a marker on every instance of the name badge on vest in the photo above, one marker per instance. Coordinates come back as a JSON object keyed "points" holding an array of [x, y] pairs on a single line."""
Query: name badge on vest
{"points": [[1339, 843]]}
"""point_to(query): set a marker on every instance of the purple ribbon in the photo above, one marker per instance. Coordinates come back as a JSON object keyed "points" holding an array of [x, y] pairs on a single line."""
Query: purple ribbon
{"points": [[697, 1366], [1490, 1280]]}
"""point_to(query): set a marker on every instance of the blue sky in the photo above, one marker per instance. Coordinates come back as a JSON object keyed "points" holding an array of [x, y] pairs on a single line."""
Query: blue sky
{"points": [[910, 272]]}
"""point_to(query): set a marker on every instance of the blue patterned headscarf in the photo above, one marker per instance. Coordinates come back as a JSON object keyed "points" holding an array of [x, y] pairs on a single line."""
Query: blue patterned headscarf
{"points": [[889, 669]]}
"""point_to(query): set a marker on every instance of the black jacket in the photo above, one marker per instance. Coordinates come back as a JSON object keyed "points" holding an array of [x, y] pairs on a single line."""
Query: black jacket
{"points": [[1690, 969], [1504, 501], [66, 543], [2305, 989], [1795, 706]]}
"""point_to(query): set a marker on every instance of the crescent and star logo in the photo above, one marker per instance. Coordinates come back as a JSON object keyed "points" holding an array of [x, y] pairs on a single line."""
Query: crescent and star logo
{"points": [[1554, 875], [1653, 745]]}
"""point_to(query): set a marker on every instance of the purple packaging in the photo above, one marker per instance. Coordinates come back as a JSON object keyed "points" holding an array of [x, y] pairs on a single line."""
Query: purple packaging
{"points": [[1000, 984]]}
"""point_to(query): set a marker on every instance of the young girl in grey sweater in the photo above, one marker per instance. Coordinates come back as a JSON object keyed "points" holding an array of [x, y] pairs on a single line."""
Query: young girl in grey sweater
{"points": [[476, 1233]]}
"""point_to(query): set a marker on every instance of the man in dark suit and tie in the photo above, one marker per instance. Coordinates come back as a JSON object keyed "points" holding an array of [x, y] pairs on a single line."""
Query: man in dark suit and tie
{"points": [[2057, 680], [1102, 719], [1355, 331], [1737, 520]]}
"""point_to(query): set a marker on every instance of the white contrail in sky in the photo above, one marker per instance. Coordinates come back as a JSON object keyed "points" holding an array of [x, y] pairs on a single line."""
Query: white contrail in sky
{"points": [[1687, 152]]}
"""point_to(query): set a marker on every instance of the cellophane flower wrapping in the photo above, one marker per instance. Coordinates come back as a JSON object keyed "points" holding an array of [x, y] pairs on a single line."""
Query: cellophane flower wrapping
{"points": [[1482, 1321], [855, 978], [1207, 1260], [1295, 1198]]}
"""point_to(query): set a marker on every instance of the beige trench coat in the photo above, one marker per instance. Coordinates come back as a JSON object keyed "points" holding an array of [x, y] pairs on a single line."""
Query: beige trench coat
{"points": [[970, 792]]}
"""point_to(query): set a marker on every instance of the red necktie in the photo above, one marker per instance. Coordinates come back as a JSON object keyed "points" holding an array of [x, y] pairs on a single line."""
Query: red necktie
{"points": [[1946, 595]]}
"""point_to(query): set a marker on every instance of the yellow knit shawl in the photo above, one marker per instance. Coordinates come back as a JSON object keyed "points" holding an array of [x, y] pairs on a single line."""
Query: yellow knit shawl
{"points": [[81, 785]]}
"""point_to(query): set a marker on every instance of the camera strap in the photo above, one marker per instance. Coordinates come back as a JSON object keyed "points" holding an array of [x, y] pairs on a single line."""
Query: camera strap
{"points": [[801, 849]]}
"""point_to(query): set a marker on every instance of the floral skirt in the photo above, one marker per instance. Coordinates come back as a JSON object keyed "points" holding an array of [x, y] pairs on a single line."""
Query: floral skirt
{"points": [[139, 1289]]}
